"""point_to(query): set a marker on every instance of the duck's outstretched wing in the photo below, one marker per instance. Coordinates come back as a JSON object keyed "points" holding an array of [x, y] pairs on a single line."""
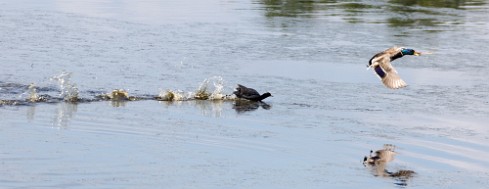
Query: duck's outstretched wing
{"points": [[388, 74]]}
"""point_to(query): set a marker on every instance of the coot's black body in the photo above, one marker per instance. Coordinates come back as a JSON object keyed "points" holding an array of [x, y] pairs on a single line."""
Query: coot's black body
{"points": [[250, 94]]}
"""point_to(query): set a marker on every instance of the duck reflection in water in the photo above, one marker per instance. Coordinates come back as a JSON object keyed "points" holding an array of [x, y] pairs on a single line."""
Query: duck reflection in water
{"points": [[378, 160], [242, 106]]}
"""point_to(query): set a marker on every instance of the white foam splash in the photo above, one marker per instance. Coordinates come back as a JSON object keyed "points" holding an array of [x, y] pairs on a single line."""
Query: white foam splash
{"points": [[170, 95], [119, 95], [201, 92], [69, 91], [218, 88], [32, 92], [217, 93]]}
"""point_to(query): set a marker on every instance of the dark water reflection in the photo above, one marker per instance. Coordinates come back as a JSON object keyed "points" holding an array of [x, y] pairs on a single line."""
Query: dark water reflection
{"points": [[455, 4], [396, 13]]}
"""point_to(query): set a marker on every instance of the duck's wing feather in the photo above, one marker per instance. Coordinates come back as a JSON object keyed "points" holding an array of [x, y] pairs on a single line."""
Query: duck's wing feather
{"points": [[388, 74]]}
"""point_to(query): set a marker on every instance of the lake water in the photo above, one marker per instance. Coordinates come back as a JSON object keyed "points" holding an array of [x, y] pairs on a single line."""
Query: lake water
{"points": [[327, 111]]}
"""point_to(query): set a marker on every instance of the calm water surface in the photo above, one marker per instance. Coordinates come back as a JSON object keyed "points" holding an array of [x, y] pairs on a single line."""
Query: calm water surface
{"points": [[326, 114]]}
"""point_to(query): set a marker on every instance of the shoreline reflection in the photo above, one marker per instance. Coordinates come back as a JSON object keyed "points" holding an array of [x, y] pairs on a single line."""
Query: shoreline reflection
{"points": [[394, 13]]}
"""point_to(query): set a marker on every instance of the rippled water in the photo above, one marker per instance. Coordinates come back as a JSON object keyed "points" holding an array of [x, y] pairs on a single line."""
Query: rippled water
{"points": [[327, 112]]}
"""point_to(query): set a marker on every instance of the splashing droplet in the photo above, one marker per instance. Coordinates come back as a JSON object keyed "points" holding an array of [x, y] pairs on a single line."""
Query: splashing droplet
{"points": [[31, 95], [218, 87], [69, 91], [170, 95], [119, 95], [32, 92], [201, 93]]}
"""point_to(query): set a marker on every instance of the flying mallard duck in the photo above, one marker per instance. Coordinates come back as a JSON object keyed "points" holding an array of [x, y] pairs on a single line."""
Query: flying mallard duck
{"points": [[381, 64], [250, 94]]}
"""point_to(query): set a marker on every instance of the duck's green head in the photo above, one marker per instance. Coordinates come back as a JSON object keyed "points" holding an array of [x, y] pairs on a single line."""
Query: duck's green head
{"points": [[406, 51]]}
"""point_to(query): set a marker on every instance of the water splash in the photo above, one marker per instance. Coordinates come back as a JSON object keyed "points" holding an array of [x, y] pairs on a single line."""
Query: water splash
{"points": [[170, 95], [119, 95], [69, 91], [202, 93], [218, 89], [9, 102], [32, 93]]}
